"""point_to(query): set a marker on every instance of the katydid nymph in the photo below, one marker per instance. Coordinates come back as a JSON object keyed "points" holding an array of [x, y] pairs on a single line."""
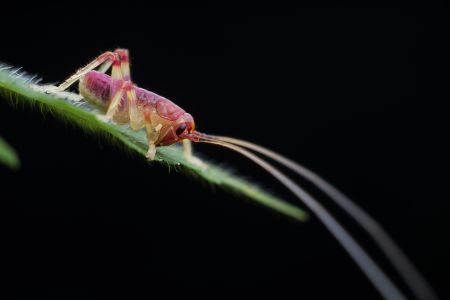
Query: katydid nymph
{"points": [[166, 123]]}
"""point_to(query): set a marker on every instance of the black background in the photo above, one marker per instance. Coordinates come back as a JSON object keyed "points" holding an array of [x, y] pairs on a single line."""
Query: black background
{"points": [[336, 86]]}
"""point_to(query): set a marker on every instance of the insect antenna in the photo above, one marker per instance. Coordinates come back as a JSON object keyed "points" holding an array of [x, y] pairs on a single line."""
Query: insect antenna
{"points": [[411, 276], [373, 272]]}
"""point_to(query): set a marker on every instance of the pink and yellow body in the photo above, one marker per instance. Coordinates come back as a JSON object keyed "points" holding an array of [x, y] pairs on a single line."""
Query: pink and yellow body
{"points": [[156, 110], [164, 121]]}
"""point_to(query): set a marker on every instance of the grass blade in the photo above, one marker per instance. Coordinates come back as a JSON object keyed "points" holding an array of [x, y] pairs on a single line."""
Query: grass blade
{"points": [[71, 108], [8, 156]]}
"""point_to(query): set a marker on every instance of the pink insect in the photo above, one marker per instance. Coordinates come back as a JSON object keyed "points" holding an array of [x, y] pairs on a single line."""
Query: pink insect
{"points": [[166, 123]]}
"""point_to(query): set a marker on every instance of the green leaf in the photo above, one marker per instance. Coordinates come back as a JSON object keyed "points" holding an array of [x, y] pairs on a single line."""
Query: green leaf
{"points": [[8, 156], [73, 109]]}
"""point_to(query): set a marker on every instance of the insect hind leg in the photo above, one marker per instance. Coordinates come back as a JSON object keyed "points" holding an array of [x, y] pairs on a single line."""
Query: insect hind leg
{"points": [[106, 59], [124, 59]]}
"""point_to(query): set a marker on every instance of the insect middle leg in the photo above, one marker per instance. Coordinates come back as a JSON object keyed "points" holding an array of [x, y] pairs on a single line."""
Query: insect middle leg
{"points": [[121, 71]]}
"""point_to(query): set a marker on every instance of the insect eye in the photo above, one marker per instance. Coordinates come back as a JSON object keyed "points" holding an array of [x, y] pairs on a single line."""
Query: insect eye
{"points": [[181, 129]]}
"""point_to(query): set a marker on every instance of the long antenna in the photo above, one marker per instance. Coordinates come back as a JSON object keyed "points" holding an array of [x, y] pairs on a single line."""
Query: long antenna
{"points": [[378, 278], [415, 281]]}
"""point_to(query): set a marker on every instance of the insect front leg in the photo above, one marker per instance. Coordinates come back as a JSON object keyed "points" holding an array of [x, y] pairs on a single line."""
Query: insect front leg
{"points": [[153, 133], [187, 153]]}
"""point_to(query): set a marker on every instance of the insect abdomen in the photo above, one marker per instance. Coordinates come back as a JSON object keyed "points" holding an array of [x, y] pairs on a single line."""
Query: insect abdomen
{"points": [[96, 87], [99, 88]]}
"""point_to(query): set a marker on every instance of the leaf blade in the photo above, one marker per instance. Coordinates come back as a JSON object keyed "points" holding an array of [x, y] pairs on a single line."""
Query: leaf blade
{"points": [[72, 109], [8, 155]]}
